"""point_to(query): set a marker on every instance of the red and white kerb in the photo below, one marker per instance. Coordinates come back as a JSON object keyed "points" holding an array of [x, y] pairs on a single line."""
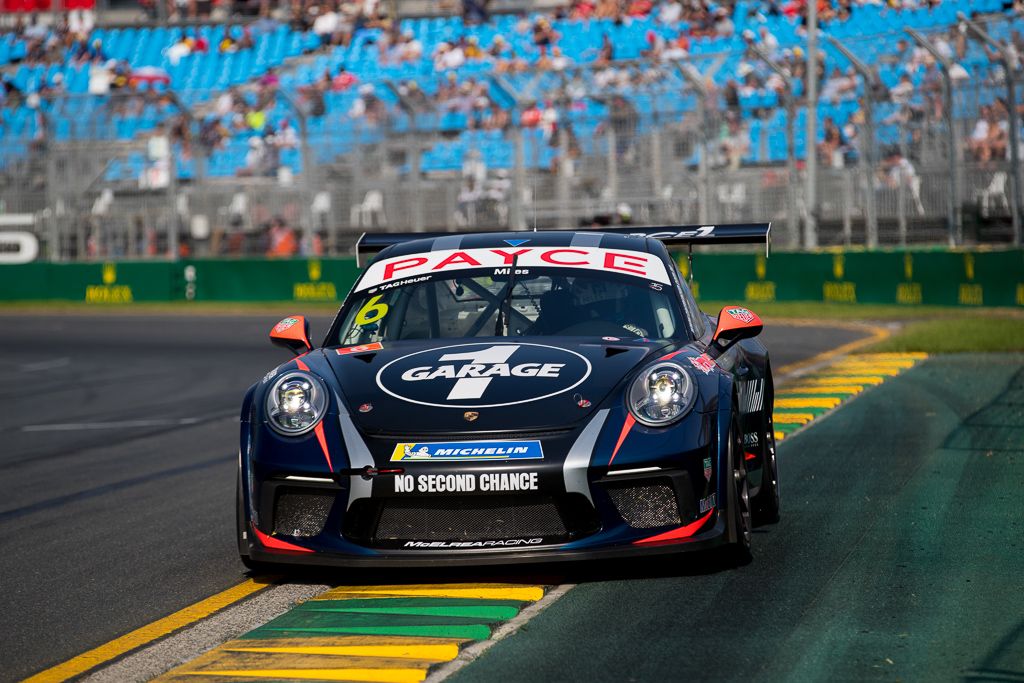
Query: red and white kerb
{"points": [[639, 264]]}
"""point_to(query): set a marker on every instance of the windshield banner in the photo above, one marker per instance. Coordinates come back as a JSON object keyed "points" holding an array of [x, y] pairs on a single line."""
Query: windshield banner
{"points": [[635, 263]]}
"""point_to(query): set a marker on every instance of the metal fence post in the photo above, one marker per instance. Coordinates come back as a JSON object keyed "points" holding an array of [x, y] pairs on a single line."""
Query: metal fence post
{"points": [[517, 218], [613, 163], [955, 209], [792, 222], [564, 163], [901, 189], [693, 78], [1011, 64], [308, 168], [811, 152], [416, 170], [867, 150]]}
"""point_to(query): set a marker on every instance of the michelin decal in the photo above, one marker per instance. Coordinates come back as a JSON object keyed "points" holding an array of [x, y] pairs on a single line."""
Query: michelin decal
{"points": [[456, 451]]}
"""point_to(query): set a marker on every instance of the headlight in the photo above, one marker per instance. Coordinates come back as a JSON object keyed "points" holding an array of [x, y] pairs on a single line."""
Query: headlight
{"points": [[661, 394], [296, 403]]}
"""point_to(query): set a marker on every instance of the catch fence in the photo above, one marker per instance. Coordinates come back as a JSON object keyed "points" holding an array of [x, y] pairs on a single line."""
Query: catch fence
{"points": [[147, 173]]}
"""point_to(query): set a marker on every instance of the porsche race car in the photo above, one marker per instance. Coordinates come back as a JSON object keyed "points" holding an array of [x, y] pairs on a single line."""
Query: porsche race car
{"points": [[512, 397]]}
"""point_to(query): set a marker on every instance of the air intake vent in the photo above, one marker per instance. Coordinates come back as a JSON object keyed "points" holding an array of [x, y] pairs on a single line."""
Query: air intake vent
{"points": [[301, 514], [647, 505], [470, 519]]}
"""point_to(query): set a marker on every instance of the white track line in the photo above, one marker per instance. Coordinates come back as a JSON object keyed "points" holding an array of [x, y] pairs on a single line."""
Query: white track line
{"points": [[124, 424]]}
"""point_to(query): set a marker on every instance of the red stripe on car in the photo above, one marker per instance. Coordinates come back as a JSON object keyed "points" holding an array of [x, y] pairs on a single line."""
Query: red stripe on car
{"points": [[319, 431], [677, 534], [275, 544], [630, 421]]}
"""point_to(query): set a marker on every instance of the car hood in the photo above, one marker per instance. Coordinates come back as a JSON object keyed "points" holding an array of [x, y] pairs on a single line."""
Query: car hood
{"points": [[453, 386]]}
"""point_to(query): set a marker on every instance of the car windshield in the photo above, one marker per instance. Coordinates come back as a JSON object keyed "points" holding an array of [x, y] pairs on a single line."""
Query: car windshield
{"points": [[534, 301]]}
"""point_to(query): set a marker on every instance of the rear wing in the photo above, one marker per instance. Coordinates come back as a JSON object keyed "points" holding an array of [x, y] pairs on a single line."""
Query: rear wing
{"points": [[671, 235]]}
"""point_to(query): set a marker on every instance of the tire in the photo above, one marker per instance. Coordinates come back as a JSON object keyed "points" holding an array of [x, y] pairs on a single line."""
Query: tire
{"points": [[765, 505], [738, 550]]}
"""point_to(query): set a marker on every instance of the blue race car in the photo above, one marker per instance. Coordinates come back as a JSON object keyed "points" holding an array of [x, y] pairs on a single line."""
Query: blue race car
{"points": [[512, 397]]}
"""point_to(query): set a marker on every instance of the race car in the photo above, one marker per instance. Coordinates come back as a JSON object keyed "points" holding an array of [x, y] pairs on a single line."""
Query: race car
{"points": [[489, 398]]}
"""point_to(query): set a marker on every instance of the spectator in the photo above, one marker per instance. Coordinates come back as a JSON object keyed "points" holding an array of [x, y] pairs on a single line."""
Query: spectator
{"points": [[840, 86], [582, 9], [283, 240], [499, 48], [903, 90], [531, 115], [734, 143], [343, 80], [179, 49], [608, 9], [724, 26], [368, 106], [833, 146], [255, 158], [678, 49], [606, 54], [411, 49], [497, 118], [670, 12], [326, 24], [212, 134], [896, 171], [448, 56], [286, 136], [655, 46], [414, 97], [472, 49], [624, 120]]}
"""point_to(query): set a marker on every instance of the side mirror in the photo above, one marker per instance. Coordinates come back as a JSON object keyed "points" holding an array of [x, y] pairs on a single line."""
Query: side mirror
{"points": [[734, 323], [293, 334]]}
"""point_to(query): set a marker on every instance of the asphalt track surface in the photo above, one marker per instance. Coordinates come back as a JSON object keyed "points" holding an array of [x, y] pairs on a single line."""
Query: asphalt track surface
{"points": [[899, 557], [118, 438]]}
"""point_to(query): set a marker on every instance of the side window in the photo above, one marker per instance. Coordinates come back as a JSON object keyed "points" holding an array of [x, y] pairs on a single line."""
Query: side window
{"points": [[693, 311]]}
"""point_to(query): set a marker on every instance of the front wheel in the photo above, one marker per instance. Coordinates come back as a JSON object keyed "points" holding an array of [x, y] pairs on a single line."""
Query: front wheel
{"points": [[738, 551], [765, 504]]}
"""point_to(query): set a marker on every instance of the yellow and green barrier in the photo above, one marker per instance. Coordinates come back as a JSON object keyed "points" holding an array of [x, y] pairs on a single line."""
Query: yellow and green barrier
{"points": [[910, 278]]}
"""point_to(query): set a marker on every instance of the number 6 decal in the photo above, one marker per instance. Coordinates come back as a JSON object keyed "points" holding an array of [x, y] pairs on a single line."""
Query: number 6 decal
{"points": [[372, 311]]}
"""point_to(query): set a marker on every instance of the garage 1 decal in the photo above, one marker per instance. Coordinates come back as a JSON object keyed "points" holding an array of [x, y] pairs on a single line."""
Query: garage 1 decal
{"points": [[483, 375]]}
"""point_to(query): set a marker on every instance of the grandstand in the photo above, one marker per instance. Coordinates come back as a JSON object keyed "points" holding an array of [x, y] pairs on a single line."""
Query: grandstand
{"points": [[338, 118]]}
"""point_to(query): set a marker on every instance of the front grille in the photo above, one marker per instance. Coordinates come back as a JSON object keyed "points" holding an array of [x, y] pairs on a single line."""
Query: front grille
{"points": [[645, 505], [469, 519], [301, 514]]}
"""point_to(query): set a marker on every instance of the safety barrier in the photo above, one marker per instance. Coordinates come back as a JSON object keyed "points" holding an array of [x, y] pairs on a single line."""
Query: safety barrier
{"points": [[937, 277]]}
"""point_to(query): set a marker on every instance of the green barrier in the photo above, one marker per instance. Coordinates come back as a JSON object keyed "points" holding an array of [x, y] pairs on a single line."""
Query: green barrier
{"points": [[934, 278], [317, 280], [99, 283], [922, 277]]}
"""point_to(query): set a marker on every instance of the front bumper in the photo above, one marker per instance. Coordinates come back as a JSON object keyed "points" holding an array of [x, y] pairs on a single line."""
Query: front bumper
{"points": [[714, 534], [596, 524]]}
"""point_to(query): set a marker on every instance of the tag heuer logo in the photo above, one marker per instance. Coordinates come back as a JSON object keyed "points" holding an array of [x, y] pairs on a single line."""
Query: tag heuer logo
{"points": [[742, 314]]}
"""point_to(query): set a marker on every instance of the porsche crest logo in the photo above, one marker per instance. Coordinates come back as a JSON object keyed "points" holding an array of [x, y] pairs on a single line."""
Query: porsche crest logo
{"points": [[470, 415]]}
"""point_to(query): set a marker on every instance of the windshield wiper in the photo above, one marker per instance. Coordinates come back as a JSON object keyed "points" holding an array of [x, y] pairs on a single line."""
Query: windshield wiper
{"points": [[504, 320]]}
